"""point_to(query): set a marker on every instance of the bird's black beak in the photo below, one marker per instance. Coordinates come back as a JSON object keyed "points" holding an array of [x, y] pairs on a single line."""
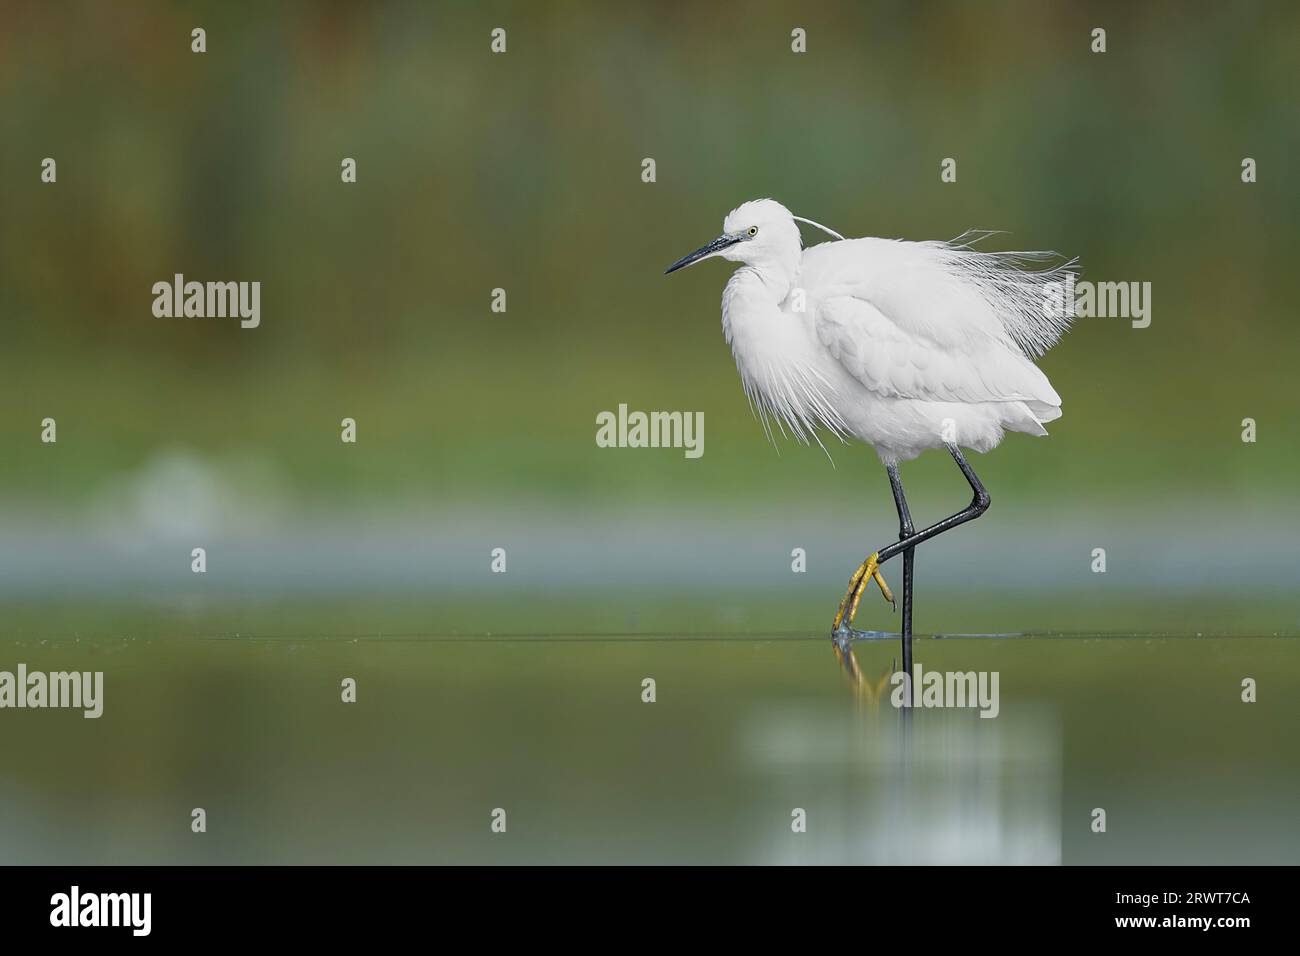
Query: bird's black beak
{"points": [[717, 245]]}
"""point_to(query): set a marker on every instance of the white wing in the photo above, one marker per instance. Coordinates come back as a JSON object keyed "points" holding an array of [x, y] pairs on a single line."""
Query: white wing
{"points": [[932, 321]]}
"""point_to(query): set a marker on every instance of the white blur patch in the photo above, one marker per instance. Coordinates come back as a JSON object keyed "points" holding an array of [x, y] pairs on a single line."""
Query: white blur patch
{"points": [[178, 494], [950, 789]]}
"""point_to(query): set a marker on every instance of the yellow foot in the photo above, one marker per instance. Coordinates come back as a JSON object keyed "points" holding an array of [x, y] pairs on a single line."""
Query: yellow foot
{"points": [[848, 595], [869, 571]]}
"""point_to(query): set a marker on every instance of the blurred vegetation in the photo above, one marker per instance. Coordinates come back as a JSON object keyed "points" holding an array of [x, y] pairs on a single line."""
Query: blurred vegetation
{"points": [[523, 171]]}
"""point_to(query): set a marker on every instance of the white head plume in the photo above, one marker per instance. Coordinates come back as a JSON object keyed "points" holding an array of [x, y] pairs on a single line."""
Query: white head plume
{"points": [[830, 232]]}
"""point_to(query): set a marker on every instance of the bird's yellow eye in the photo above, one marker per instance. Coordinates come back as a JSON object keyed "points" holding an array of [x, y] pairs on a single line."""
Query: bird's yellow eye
{"points": [[753, 231]]}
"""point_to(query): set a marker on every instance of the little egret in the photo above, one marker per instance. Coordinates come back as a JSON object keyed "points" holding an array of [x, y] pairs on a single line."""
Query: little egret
{"points": [[903, 345]]}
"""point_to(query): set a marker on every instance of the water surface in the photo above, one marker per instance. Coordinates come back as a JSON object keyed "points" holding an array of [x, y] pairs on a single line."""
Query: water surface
{"points": [[743, 732]]}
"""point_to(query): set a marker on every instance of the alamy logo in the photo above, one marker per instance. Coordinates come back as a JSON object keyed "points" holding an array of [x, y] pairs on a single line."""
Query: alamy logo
{"points": [[78, 690], [209, 300], [1104, 300], [651, 430], [939, 689], [75, 908]]}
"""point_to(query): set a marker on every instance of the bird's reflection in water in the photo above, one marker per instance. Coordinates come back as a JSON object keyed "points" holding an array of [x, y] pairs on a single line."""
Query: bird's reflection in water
{"points": [[919, 785], [866, 691]]}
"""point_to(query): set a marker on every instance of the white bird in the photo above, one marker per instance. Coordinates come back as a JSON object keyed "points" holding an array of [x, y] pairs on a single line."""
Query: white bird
{"points": [[903, 345]]}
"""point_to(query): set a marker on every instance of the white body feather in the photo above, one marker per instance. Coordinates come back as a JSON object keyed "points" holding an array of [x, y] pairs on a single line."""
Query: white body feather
{"points": [[903, 345]]}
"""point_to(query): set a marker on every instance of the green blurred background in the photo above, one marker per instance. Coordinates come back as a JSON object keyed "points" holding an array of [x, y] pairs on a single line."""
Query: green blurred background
{"points": [[522, 171], [477, 431]]}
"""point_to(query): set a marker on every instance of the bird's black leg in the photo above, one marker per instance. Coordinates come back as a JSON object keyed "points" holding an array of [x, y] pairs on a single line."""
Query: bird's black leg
{"points": [[905, 529], [843, 629], [979, 504]]}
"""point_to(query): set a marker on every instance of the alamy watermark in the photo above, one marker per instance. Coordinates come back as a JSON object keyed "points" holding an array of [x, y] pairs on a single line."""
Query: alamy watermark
{"points": [[947, 689], [36, 690], [209, 300], [1104, 300], [75, 908], [634, 429]]}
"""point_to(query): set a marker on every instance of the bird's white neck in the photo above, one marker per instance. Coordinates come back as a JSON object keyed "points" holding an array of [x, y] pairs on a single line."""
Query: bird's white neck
{"points": [[747, 296], [765, 283], [774, 353]]}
